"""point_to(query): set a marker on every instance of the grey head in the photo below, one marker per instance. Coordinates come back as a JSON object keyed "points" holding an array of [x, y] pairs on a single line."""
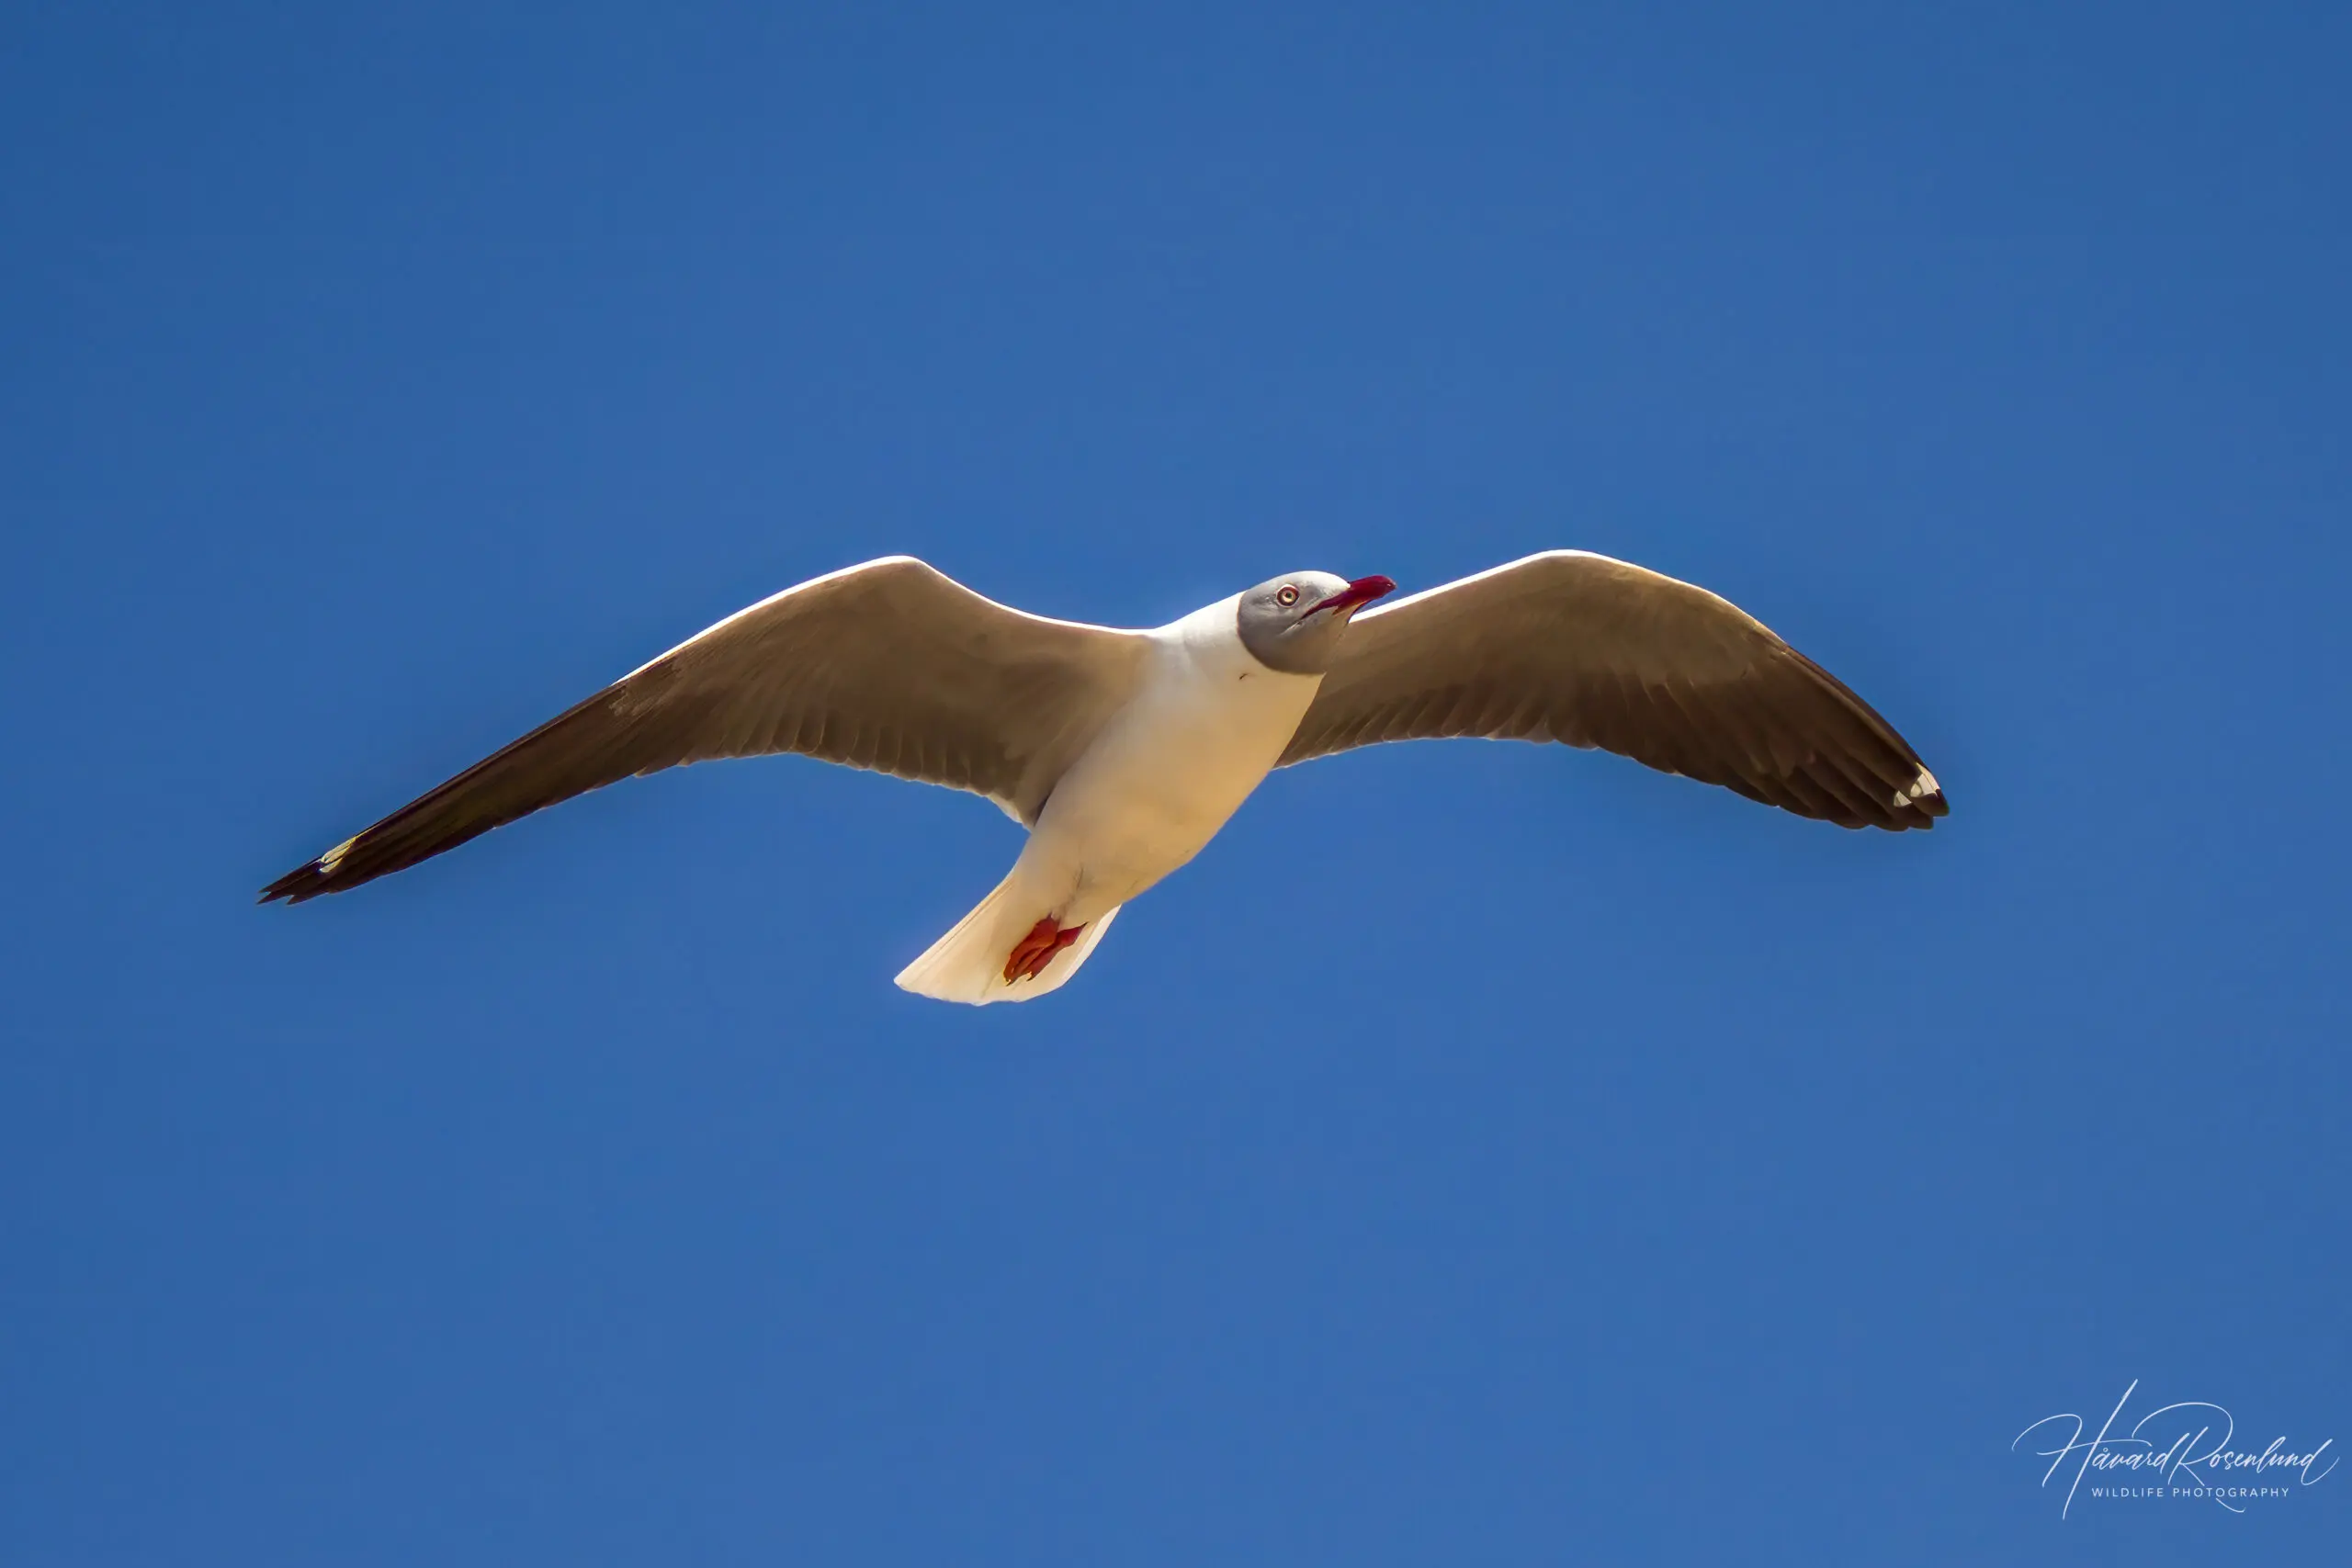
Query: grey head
{"points": [[1295, 624]]}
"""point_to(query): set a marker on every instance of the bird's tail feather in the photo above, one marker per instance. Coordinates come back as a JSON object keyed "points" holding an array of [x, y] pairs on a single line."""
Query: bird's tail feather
{"points": [[967, 964]]}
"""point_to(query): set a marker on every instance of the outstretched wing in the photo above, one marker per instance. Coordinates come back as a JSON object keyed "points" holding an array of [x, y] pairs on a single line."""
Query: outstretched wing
{"points": [[1590, 651], [891, 666]]}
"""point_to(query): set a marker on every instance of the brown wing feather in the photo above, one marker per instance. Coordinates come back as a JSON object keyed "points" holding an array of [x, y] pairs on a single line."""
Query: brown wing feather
{"points": [[1594, 652], [890, 665]]}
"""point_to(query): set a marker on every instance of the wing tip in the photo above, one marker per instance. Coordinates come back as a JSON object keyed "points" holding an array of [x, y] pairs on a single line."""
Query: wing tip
{"points": [[1919, 804], [310, 879], [294, 886]]}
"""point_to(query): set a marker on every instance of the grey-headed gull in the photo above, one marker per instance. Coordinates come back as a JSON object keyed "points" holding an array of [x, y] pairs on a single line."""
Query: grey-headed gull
{"points": [[1123, 752]]}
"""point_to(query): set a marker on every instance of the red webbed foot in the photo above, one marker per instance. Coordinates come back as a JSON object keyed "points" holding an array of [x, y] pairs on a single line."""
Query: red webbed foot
{"points": [[1033, 953]]}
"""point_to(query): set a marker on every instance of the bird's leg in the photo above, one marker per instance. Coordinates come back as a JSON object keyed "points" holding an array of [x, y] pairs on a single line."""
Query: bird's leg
{"points": [[1033, 953], [1039, 940], [1063, 937]]}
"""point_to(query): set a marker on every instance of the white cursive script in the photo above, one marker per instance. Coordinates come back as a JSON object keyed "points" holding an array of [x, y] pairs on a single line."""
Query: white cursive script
{"points": [[2211, 1467]]}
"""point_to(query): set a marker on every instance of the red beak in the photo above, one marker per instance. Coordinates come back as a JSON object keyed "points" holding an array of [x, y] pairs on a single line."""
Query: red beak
{"points": [[1363, 590]]}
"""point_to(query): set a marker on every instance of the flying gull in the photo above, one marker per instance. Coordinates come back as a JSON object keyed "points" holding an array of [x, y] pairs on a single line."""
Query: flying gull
{"points": [[1123, 752]]}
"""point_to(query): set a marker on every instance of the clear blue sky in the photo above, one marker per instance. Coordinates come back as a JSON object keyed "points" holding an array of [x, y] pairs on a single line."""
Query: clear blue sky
{"points": [[1482, 1153]]}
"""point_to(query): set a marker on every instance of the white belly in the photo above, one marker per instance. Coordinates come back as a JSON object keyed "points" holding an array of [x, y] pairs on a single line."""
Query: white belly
{"points": [[1166, 774]]}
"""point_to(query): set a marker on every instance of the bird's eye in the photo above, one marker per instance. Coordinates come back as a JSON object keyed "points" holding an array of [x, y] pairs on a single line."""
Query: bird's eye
{"points": [[1286, 596]]}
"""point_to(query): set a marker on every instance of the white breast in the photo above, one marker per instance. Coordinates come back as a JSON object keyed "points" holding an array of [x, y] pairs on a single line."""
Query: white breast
{"points": [[1164, 776]]}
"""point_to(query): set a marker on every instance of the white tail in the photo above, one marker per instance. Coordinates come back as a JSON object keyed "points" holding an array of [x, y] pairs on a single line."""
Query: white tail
{"points": [[967, 964]]}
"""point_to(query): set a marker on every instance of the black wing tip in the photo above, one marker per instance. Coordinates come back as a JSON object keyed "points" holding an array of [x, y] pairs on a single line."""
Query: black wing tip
{"points": [[1836, 797], [1920, 806], [312, 878], [294, 885]]}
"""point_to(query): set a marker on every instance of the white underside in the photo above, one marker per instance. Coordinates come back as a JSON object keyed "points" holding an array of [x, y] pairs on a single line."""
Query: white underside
{"points": [[1152, 790]]}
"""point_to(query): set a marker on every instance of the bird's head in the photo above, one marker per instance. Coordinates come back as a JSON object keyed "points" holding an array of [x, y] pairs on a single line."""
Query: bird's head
{"points": [[1295, 624]]}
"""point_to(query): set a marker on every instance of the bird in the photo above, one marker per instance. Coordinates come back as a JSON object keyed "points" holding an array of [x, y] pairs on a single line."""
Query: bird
{"points": [[1125, 751]]}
